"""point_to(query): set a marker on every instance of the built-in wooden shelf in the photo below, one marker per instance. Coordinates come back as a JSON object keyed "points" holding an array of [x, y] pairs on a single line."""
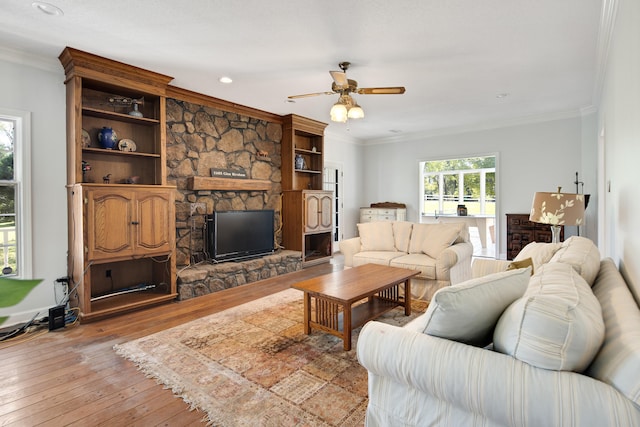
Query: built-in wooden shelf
{"points": [[227, 184]]}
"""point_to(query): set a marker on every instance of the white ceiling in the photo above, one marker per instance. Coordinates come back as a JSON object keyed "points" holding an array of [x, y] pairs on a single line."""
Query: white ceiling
{"points": [[453, 56]]}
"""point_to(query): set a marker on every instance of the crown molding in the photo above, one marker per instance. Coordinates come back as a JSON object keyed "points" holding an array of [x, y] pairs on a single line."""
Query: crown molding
{"points": [[37, 61]]}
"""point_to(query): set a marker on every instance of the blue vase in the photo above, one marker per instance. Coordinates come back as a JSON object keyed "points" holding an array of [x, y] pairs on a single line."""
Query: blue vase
{"points": [[108, 138]]}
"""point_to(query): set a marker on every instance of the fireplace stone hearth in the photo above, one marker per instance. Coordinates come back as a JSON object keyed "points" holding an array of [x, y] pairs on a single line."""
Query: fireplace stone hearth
{"points": [[206, 278]]}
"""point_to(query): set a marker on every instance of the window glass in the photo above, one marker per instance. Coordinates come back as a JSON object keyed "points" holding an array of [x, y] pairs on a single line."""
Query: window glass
{"points": [[449, 183], [8, 190]]}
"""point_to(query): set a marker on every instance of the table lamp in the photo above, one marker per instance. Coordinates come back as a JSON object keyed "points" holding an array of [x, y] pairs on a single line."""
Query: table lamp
{"points": [[557, 209]]}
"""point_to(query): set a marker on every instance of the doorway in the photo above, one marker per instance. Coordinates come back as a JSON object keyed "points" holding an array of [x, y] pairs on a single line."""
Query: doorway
{"points": [[332, 181]]}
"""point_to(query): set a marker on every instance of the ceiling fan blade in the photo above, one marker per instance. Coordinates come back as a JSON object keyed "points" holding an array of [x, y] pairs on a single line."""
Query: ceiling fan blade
{"points": [[398, 90], [307, 95], [340, 78]]}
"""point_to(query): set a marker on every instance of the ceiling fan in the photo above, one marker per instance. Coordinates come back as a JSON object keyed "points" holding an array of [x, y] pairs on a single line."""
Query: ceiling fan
{"points": [[347, 107]]}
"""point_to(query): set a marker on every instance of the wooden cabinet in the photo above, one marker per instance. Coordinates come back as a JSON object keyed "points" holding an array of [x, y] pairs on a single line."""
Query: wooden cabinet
{"points": [[121, 212], [128, 222], [521, 232], [307, 210], [382, 214], [307, 224], [317, 211]]}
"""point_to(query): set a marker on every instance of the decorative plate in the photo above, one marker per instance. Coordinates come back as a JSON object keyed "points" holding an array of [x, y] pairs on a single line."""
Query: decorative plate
{"points": [[86, 139], [126, 145]]}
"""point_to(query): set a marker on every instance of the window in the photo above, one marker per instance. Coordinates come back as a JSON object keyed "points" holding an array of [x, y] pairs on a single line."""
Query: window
{"points": [[471, 181], [15, 234], [448, 183]]}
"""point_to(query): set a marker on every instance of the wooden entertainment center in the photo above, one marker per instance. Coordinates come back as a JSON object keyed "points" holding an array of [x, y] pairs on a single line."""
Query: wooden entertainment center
{"points": [[121, 213], [307, 209]]}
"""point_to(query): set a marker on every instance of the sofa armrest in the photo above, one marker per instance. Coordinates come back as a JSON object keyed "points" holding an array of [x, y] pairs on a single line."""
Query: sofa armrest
{"points": [[490, 385], [484, 266], [349, 248], [454, 263]]}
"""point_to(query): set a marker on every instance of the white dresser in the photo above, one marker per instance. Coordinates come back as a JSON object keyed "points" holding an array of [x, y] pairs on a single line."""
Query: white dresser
{"points": [[382, 214]]}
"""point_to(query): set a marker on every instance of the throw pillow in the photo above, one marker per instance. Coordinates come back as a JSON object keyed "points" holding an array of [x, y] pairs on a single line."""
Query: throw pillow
{"points": [[540, 253], [402, 235], [582, 254], [463, 235], [527, 262], [468, 312], [556, 325], [432, 239], [376, 236]]}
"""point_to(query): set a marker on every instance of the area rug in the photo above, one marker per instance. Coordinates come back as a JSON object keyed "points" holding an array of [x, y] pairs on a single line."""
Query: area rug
{"points": [[252, 365]]}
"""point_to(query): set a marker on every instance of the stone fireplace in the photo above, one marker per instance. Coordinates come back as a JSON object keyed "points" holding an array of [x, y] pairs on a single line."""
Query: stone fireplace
{"points": [[201, 137]]}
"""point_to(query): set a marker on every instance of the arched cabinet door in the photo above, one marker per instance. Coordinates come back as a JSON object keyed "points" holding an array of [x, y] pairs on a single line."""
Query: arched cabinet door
{"points": [[109, 217], [317, 209], [155, 229]]}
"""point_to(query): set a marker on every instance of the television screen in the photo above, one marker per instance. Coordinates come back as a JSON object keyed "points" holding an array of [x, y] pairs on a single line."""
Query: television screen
{"points": [[234, 235]]}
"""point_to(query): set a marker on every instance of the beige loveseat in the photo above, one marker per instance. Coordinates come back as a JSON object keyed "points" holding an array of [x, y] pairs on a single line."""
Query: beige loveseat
{"points": [[566, 348], [441, 252]]}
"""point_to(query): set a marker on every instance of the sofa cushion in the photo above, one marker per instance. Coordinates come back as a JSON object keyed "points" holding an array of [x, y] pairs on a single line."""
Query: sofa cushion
{"points": [[463, 235], [421, 262], [468, 312], [376, 236], [582, 254], [540, 253], [375, 257], [556, 325], [432, 239], [402, 235], [618, 361]]}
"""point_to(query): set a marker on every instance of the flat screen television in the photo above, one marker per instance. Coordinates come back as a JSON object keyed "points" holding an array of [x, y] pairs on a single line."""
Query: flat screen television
{"points": [[236, 235]]}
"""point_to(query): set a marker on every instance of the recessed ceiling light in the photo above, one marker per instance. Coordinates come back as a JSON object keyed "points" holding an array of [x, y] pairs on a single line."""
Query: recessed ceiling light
{"points": [[225, 80], [502, 95], [47, 8]]}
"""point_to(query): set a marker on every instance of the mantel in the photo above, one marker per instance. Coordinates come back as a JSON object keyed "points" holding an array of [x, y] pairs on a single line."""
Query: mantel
{"points": [[227, 184]]}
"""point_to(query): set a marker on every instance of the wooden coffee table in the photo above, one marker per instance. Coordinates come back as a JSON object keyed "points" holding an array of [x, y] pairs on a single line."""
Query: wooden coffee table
{"points": [[335, 295]]}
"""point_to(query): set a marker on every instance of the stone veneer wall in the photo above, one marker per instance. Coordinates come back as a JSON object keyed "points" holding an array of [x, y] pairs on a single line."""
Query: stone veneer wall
{"points": [[200, 138]]}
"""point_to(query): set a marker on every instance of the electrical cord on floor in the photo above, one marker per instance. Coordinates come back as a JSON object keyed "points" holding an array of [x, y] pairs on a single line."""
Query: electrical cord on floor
{"points": [[72, 316], [28, 336], [20, 329]]}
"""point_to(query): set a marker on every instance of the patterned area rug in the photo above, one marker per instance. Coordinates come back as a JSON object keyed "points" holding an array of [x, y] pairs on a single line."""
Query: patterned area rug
{"points": [[252, 365]]}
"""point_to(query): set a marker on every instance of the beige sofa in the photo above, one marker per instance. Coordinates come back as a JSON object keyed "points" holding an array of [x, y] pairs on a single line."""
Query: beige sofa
{"points": [[441, 252], [566, 348]]}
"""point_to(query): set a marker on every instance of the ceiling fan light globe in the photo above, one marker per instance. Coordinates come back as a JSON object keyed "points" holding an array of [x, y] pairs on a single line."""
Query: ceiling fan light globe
{"points": [[338, 113], [356, 112]]}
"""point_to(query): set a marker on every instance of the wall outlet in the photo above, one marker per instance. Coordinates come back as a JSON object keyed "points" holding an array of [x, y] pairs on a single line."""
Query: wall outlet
{"points": [[107, 273]]}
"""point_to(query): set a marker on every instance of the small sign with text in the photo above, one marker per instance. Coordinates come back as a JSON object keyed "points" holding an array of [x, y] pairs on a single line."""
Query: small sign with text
{"points": [[228, 173]]}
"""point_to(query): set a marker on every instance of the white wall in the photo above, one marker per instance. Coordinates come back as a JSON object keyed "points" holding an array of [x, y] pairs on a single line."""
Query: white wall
{"points": [[41, 92], [348, 154], [619, 119], [531, 157]]}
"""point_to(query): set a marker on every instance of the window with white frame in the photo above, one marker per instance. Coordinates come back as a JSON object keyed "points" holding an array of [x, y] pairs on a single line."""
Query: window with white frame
{"points": [[15, 235], [445, 184]]}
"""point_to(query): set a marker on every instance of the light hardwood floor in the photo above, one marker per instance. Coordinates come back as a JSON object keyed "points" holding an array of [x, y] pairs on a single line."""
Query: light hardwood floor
{"points": [[73, 376]]}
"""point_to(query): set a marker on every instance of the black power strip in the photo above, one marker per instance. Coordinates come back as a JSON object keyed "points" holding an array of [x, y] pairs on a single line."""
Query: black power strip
{"points": [[56, 317]]}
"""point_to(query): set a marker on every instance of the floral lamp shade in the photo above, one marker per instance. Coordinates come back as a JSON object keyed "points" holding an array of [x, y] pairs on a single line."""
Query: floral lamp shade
{"points": [[557, 209]]}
